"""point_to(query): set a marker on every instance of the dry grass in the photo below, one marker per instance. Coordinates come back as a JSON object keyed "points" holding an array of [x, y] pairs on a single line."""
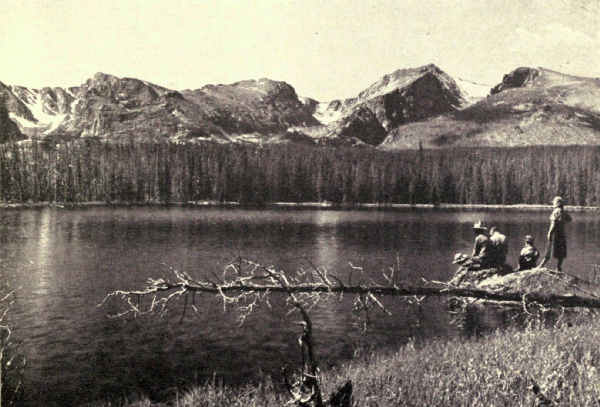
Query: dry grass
{"points": [[501, 369]]}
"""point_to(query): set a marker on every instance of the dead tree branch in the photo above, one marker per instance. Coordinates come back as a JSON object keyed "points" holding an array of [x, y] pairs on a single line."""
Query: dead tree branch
{"points": [[240, 288], [12, 364]]}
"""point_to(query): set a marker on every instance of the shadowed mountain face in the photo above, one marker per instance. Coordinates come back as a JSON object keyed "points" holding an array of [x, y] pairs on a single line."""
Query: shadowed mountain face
{"points": [[405, 96], [9, 130], [404, 109]]}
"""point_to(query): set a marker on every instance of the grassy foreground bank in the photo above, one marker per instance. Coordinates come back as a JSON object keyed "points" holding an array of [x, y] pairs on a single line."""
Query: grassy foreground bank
{"points": [[501, 369]]}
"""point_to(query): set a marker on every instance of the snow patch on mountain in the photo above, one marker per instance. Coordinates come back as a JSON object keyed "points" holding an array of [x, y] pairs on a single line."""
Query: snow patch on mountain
{"points": [[21, 121], [254, 138], [327, 115], [47, 119], [523, 107], [178, 114], [554, 78], [390, 82], [389, 87], [472, 91]]}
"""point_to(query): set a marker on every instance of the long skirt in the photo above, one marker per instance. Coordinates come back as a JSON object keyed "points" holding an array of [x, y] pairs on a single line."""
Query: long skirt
{"points": [[559, 248]]}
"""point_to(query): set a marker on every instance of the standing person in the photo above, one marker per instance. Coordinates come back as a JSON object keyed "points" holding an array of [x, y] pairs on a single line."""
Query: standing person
{"points": [[529, 254], [499, 246], [557, 238], [482, 251]]}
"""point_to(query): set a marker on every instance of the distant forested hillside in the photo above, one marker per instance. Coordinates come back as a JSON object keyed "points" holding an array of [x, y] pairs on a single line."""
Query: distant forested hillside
{"points": [[91, 170]]}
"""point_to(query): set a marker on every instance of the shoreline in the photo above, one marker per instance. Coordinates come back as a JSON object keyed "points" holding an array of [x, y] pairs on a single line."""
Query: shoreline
{"points": [[292, 205], [492, 369]]}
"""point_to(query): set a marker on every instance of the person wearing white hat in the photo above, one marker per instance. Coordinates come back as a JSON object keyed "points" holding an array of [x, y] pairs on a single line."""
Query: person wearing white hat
{"points": [[557, 238], [482, 253]]}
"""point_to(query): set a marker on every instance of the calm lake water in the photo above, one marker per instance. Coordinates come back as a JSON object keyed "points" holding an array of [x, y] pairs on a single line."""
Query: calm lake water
{"points": [[65, 261]]}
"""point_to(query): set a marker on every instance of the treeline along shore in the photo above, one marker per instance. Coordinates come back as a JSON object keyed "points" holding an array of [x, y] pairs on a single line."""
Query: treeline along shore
{"points": [[91, 170]]}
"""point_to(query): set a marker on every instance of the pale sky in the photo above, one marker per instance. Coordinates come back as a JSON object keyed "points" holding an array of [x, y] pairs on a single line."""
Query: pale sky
{"points": [[326, 49]]}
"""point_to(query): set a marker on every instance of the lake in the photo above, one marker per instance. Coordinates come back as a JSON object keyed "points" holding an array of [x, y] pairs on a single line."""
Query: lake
{"points": [[65, 261]]}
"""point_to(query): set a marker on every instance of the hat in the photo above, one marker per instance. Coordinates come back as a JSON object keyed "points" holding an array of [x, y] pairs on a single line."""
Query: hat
{"points": [[529, 239], [557, 201], [479, 226]]}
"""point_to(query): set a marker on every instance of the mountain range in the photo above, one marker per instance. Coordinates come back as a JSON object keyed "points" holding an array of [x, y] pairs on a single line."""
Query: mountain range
{"points": [[408, 108]]}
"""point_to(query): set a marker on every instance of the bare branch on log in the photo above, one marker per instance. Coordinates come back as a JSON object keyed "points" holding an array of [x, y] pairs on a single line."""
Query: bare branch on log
{"points": [[12, 363], [242, 286]]}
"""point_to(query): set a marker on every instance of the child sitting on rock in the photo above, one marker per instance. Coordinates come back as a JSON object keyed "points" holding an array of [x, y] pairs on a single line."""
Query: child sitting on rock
{"points": [[529, 255]]}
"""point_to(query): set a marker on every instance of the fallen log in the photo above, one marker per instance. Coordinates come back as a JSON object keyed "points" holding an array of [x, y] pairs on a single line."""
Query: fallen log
{"points": [[483, 290]]}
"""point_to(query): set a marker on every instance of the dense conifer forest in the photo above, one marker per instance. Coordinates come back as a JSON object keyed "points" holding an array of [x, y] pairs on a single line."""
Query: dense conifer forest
{"points": [[91, 170]]}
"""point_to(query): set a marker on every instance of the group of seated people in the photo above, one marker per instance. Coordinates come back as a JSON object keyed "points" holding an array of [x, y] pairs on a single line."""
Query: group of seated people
{"points": [[491, 248]]}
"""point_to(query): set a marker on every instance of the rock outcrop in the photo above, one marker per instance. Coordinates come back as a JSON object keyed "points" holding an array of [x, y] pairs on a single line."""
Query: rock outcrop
{"points": [[541, 282], [520, 77]]}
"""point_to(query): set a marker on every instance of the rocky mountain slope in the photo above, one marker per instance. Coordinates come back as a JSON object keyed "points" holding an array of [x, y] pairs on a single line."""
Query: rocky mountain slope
{"points": [[404, 109], [530, 106], [404, 96], [256, 111], [125, 108]]}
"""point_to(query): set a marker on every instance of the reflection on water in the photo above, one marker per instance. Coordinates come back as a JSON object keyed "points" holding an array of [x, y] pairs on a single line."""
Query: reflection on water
{"points": [[65, 261]]}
